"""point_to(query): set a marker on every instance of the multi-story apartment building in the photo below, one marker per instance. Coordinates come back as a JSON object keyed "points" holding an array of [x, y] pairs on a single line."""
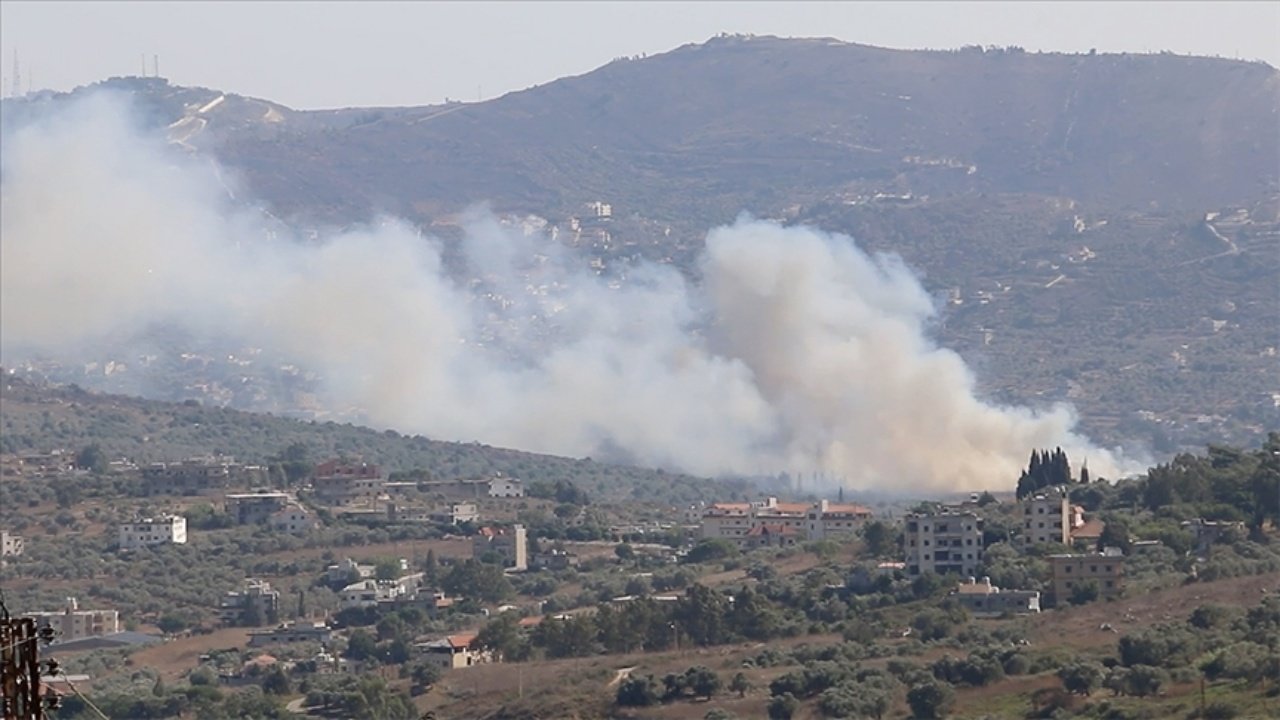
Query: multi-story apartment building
{"points": [[1049, 517], [727, 521], [161, 530], [255, 603], [809, 521], [10, 544], [948, 541], [338, 482], [1069, 571], [829, 520], [509, 543], [72, 623]]}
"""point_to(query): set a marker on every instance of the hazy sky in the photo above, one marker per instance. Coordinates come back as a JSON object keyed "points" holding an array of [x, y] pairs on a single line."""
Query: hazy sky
{"points": [[333, 54]]}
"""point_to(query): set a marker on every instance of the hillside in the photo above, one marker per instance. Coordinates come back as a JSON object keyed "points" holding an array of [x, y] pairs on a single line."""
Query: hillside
{"points": [[1054, 204], [36, 418], [695, 134]]}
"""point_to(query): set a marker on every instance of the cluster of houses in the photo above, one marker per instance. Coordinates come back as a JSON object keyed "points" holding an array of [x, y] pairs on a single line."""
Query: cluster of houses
{"points": [[948, 540]]}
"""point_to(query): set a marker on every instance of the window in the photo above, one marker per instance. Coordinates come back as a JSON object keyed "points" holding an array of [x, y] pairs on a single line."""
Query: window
{"points": [[926, 543], [1040, 511], [968, 541], [1067, 569], [1093, 568], [1110, 584], [1107, 568]]}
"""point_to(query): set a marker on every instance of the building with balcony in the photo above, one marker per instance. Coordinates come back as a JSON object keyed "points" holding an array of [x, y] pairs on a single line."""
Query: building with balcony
{"points": [[946, 541]]}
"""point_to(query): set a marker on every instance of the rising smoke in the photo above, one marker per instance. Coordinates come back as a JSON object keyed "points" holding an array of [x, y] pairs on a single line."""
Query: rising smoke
{"points": [[796, 351]]}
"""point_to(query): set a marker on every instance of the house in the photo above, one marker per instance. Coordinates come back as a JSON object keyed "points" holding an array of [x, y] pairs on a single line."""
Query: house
{"points": [[556, 560], [162, 530], [292, 633], [946, 541], [505, 487], [1087, 536], [371, 593], [1048, 517], [254, 604], [293, 518], [72, 623], [508, 544], [1209, 532], [454, 513], [339, 482], [44, 464], [453, 651], [10, 545], [770, 536], [982, 599], [256, 507], [1069, 571], [198, 475], [346, 570]]}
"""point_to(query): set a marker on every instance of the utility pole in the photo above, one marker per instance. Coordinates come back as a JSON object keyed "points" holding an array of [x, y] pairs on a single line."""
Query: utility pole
{"points": [[20, 668]]}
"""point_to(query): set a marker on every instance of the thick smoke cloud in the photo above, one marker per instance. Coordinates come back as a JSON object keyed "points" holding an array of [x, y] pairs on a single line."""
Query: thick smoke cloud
{"points": [[795, 352]]}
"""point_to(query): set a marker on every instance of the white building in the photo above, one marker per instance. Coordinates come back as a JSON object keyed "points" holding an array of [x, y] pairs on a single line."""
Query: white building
{"points": [[505, 487], [948, 541], [10, 544], [161, 530], [370, 592], [810, 521], [1049, 517], [293, 518]]}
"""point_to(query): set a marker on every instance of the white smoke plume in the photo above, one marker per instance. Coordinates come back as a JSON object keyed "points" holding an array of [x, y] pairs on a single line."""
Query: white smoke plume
{"points": [[795, 352]]}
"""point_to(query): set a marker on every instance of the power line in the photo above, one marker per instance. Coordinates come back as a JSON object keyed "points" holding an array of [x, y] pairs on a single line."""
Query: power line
{"points": [[84, 699]]}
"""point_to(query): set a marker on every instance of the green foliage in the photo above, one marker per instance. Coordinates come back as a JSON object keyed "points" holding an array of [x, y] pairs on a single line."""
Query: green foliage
{"points": [[1046, 469], [92, 458], [1081, 678], [1084, 592], [711, 550], [636, 691], [361, 645], [473, 579], [880, 539], [740, 684], [783, 707], [930, 699], [702, 681]]}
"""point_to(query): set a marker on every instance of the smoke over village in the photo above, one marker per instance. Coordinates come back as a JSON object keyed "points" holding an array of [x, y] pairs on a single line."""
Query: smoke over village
{"points": [[792, 351]]}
